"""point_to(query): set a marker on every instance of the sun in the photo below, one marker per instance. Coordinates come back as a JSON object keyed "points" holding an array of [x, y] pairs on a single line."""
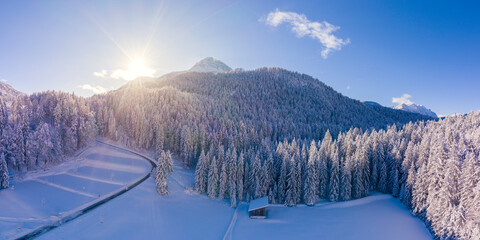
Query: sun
{"points": [[137, 65], [136, 68]]}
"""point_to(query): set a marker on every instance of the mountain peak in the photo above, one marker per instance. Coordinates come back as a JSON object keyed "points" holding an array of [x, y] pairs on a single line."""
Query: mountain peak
{"points": [[415, 108], [210, 64]]}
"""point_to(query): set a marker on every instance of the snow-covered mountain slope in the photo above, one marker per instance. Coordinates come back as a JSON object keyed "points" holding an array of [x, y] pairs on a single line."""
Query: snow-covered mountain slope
{"points": [[415, 108], [8, 93], [302, 105], [210, 64]]}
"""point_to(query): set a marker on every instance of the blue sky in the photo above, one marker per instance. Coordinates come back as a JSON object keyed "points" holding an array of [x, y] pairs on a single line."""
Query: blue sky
{"points": [[427, 49]]}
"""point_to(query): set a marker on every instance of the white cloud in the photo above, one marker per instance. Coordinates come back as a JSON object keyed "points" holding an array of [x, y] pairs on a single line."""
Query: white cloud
{"points": [[404, 99], [348, 87], [95, 89], [321, 31], [3, 80], [137, 68], [102, 74]]}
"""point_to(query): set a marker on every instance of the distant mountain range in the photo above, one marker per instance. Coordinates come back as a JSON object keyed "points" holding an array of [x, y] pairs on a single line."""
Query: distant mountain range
{"points": [[415, 108]]}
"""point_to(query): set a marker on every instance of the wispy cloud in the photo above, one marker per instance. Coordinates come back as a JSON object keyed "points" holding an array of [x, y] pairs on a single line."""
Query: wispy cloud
{"points": [[102, 74], [95, 89], [3, 80], [348, 87], [404, 99], [302, 26], [136, 69]]}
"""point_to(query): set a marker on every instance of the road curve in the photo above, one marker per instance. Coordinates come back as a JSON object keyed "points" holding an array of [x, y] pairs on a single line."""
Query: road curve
{"points": [[81, 210]]}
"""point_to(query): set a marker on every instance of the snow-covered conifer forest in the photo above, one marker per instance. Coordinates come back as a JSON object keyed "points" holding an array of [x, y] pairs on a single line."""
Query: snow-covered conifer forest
{"points": [[267, 132], [39, 129]]}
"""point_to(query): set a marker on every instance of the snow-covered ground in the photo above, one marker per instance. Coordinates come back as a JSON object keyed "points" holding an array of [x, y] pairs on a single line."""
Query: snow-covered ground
{"points": [[44, 196], [143, 214], [379, 216]]}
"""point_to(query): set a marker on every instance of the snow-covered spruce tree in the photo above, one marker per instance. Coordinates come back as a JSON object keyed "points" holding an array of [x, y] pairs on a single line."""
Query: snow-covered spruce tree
{"points": [[291, 191], [201, 174], [419, 191], [246, 180], [220, 157], [407, 187], [302, 168], [394, 172], [162, 174], [334, 183], [239, 182], [282, 180], [213, 179], [324, 155], [223, 182], [346, 180], [159, 136], [169, 162], [263, 182], [451, 187], [299, 183], [357, 176], [382, 176], [410, 156], [232, 179], [376, 155], [363, 157], [253, 179], [310, 187], [4, 172], [269, 172]]}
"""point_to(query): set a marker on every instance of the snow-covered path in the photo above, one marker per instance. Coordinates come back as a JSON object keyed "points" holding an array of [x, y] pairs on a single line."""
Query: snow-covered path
{"points": [[46, 198]]}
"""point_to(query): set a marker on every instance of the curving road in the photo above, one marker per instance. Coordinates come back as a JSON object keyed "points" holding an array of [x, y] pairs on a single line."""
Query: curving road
{"points": [[85, 208]]}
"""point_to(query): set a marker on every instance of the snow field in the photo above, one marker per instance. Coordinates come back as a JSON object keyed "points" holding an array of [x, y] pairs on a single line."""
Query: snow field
{"points": [[144, 214], [379, 216], [43, 197]]}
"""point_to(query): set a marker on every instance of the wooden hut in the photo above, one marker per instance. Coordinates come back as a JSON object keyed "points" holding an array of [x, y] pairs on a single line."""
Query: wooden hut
{"points": [[258, 208]]}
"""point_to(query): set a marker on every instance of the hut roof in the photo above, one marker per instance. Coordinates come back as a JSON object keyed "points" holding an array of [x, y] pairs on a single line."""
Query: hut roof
{"points": [[258, 203]]}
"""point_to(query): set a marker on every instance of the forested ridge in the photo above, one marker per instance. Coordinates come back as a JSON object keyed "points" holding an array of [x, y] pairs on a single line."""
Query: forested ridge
{"points": [[267, 132], [190, 111]]}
